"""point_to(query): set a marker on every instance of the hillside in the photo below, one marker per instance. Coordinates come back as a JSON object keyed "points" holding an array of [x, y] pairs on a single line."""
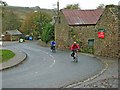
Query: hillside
{"points": [[22, 11]]}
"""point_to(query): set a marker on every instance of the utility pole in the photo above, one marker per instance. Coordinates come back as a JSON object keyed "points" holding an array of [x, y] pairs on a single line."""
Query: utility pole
{"points": [[58, 12], [2, 3], [58, 7]]}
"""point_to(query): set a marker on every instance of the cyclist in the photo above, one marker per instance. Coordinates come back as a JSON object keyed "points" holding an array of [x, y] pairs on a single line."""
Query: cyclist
{"points": [[74, 48], [53, 44]]}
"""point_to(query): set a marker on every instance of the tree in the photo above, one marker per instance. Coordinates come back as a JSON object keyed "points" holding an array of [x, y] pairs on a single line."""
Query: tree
{"points": [[72, 6], [10, 20], [34, 23], [101, 6], [48, 33]]}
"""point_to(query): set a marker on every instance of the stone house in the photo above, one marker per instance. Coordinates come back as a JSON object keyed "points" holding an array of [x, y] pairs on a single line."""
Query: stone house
{"points": [[83, 25], [12, 35], [108, 46], [76, 25]]}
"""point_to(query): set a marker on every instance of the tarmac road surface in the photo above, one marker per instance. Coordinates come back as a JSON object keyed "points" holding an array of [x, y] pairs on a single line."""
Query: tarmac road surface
{"points": [[44, 69]]}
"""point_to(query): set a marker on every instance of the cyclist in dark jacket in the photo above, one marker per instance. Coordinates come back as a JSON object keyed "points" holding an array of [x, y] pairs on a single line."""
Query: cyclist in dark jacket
{"points": [[53, 44]]}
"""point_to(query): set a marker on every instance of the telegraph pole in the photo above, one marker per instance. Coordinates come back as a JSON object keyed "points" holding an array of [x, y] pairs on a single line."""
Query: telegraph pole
{"points": [[58, 12], [58, 7]]}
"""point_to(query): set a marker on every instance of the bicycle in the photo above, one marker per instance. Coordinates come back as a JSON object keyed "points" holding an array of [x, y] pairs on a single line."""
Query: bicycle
{"points": [[74, 55]]}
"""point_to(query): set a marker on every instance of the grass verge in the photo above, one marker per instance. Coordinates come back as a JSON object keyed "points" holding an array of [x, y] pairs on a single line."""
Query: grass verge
{"points": [[6, 55]]}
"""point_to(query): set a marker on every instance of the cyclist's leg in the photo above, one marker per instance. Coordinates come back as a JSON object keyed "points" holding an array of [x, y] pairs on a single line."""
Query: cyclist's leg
{"points": [[74, 54]]}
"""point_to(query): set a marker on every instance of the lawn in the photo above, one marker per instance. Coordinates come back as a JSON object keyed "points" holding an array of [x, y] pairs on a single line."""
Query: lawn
{"points": [[6, 55]]}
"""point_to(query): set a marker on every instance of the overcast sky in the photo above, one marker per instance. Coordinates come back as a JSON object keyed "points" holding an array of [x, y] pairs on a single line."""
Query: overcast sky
{"points": [[84, 4]]}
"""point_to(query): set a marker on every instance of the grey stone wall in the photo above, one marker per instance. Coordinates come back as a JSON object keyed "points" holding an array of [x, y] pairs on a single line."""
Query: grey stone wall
{"points": [[61, 33], [119, 30], [83, 34], [65, 35], [108, 46]]}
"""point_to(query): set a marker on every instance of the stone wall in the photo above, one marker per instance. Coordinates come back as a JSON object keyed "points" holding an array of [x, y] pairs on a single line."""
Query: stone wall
{"points": [[119, 32], [108, 46], [65, 35], [61, 33], [83, 34]]}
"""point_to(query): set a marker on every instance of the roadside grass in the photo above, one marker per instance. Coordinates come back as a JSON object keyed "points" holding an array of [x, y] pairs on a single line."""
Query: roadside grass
{"points": [[6, 55]]}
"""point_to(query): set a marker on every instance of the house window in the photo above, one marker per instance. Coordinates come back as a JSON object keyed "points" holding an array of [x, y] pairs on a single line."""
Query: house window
{"points": [[90, 42]]}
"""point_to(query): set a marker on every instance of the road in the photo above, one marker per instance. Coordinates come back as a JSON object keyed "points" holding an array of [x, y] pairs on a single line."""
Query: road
{"points": [[44, 69], [0, 43]]}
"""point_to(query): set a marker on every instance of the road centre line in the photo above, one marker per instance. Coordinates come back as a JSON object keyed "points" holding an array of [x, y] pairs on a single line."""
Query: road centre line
{"points": [[53, 63], [51, 57], [47, 54]]}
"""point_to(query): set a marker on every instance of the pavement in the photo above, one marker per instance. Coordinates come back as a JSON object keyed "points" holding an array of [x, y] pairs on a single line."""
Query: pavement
{"points": [[17, 59]]}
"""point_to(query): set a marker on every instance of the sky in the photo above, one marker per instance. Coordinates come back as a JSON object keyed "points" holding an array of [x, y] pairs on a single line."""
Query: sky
{"points": [[50, 4]]}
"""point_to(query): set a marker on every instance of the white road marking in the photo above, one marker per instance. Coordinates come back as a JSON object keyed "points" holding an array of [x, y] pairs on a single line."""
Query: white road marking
{"points": [[1, 43], [36, 72], [52, 64], [19, 51], [47, 54], [51, 57]]}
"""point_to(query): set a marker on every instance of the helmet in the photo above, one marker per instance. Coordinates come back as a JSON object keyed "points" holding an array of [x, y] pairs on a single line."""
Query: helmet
{"points": [[74, 42]]}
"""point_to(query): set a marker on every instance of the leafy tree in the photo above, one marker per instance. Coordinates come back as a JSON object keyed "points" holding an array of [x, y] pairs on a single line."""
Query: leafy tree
{"points": [[48, 33], [26, 26], [101, 6], [34, 23], [72, 6], [10, 20]]}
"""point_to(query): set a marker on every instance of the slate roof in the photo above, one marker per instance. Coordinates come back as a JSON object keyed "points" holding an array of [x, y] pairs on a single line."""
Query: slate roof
{"points": [[13, 32], [82, 17]]}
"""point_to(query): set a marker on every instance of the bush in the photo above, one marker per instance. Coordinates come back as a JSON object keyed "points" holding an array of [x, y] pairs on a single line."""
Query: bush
{"points": [[48, 33]]}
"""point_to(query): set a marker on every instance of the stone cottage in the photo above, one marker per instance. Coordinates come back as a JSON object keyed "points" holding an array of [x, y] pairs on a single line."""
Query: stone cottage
{"points": [[83, 26], [108, 46], [76, 25]]}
